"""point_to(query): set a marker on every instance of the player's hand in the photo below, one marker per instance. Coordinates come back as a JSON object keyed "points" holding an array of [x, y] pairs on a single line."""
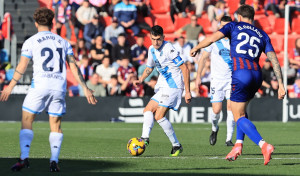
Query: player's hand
{"points": [[89, 96], [188, 97], [193, 52], [281, 92], [5, 94], [136, 83], [198, 81]]}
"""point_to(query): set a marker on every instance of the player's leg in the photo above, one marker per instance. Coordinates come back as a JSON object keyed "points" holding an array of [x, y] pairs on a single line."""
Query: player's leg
{"points": [[168, 129], [215, 117], [230, 125], [25, 138], [33, 104], [238, 109], [56, 109], [148, 120], [55, 140]]}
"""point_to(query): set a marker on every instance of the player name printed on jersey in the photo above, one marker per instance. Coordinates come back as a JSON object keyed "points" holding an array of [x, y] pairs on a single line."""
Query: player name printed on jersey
{"points": [[251, 28]]}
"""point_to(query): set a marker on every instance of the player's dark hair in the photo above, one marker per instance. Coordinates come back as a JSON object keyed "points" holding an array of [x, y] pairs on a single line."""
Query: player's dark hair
{"points": [[157, 30], [114, 77], [226, 19], [246, 11], [43, 16]]}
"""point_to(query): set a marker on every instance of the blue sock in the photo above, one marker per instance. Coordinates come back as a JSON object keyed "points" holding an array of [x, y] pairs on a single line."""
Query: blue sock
{"points": [[249, 129], [240, 135]]}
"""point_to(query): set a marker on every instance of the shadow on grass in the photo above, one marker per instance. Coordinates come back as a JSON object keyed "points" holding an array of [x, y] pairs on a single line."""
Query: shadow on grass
{"points": [[68, 167], [40, 166]]}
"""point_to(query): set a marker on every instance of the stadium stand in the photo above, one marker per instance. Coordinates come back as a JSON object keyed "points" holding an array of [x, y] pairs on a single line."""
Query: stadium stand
{"points": [[21, 12]]}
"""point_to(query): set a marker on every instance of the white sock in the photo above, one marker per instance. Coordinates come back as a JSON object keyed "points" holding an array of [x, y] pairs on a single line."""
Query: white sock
{"points": [[148, 124], [168, 129], [55, 140], [239, 141], [261, 143], [230, 125], [214, 121], [26, 136]]}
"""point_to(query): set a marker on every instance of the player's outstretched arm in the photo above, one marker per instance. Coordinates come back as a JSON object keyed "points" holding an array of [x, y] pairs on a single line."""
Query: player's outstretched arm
{"points": [[186, 80], [145, 74], [206, 42], [277, 70], [78, 76], [21, 68], [201, 63]]}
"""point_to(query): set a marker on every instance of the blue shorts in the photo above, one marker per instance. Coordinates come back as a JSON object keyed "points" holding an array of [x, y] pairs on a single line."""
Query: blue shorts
{"points": [[245, 84]]}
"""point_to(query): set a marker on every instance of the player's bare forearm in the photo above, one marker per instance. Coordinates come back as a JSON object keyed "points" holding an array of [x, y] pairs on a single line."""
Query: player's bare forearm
{"points": [[146, 73], [21, 68], [208, 40], [186, 77], [76, 71], [276, 66], [201, 63]]}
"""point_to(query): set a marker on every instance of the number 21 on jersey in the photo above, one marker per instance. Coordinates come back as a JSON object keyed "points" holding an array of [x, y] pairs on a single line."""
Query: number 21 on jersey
{"points": [[50, 57]]}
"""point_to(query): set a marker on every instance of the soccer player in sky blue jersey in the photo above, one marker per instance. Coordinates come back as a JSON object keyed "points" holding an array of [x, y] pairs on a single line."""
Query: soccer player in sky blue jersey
{"points": [[173, 79], [220, 85], [247, 44], [49, 53]]}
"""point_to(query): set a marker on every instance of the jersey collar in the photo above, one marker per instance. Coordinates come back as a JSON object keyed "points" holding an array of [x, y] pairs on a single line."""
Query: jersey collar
{"points": [[160, 48]]}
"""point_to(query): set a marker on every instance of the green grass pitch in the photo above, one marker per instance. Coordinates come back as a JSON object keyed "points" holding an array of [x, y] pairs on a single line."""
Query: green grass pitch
{"points": [[99, 148]]}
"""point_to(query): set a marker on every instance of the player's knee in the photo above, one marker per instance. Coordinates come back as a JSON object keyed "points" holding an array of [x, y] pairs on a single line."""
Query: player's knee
{"points": [[217, 110], [157, 117]]}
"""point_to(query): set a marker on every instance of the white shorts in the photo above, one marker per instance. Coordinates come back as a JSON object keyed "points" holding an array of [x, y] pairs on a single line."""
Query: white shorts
{"points": [[168, 97], [39, 99], [219, 90]]}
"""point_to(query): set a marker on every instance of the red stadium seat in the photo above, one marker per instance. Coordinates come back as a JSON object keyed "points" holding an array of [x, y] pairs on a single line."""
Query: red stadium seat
{"points": [[233, 5], [106, 20], [181, 22], [160, 6], [166, 23], [279, 26], [147, 41], [170, 37], [296, 25], [149, 21], [277, 42], [205, 23], [264, 24]]}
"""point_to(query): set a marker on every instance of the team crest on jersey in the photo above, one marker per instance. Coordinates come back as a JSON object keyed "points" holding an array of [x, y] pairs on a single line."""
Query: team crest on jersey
{"points": [[224, 52]]}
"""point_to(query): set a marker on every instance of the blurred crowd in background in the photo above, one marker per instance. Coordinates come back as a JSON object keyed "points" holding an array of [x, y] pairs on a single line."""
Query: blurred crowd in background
{"points": [[110, 40]]}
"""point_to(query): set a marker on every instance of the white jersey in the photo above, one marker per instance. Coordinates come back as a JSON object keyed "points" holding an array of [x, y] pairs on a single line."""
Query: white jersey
{"points": [[167, 61], [221, 63], [48, 52]]}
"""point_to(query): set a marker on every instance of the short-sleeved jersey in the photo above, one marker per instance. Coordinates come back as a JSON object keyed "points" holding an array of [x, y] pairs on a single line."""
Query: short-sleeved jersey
{"points": [[48, 52], [167, 61], [247, 42], [221, 63]]}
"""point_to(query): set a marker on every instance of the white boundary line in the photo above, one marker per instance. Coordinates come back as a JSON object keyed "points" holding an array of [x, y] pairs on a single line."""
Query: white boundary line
{"points": [[155, 157]]}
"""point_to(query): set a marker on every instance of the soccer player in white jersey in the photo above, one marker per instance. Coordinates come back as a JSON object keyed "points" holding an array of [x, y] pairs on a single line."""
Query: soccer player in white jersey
{"points": [[220, 86], [49, 52], [173, 79]]}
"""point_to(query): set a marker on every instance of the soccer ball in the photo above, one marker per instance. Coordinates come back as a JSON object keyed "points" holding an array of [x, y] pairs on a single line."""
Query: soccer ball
{"points": [[136, 146]]}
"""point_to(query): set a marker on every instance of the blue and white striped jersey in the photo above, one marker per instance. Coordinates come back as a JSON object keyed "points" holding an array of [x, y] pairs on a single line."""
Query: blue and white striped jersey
{"points": [[167, 61], [221, 63]]}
